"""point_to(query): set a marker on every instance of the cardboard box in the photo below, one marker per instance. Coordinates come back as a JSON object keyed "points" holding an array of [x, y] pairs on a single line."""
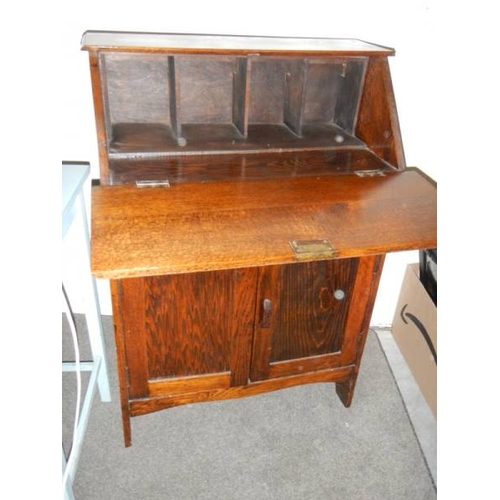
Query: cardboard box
{"points": [[414, 329]]}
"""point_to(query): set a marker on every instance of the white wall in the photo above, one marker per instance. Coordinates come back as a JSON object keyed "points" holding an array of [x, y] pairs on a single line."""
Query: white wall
{"points": [[408, 27]]}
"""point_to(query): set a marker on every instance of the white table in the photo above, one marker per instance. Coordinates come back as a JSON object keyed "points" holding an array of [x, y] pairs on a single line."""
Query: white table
{"points": [[74, 178]]}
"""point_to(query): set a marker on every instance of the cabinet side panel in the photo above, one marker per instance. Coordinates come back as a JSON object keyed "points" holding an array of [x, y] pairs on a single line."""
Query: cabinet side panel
{"points": [[97, 74], [130, 306], [378, 123], [121, 361]]}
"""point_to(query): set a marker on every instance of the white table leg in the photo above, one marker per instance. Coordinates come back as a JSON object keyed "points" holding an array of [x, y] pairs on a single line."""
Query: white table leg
{"points": [[67, 481], [92, 308]]}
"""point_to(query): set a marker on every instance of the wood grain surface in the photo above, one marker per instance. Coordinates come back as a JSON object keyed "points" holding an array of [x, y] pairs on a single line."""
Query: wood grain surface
{"points": [[223, 225]]}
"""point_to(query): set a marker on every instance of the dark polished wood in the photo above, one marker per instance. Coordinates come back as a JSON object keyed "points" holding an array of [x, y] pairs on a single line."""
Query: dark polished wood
{"points": [[276, 185], [377, 122], [151, 101]]}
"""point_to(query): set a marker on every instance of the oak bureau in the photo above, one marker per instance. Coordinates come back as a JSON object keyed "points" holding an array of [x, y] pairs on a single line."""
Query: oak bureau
{"points": [[250, 188]]}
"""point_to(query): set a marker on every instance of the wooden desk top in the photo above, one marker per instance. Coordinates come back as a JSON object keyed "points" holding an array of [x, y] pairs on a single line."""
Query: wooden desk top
{"points": [[219, 225]]}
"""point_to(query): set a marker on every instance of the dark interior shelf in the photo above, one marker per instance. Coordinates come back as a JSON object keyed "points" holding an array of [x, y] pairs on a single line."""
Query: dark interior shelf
{"points": [[143, 139], [161, 105]]}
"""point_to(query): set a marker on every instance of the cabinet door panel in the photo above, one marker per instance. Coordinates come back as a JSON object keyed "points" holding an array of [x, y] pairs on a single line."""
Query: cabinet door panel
{"points": [[186, 326], [193, 326], [303, 310]]}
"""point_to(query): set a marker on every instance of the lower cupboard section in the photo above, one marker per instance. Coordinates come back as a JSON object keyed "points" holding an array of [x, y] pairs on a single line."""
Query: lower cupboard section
{"points": [[235, 333]]}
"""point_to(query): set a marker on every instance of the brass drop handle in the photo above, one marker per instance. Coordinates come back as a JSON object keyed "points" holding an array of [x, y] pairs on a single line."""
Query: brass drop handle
{"points": [[266, 313]]}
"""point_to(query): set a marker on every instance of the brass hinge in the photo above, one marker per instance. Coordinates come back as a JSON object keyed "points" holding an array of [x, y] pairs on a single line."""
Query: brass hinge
{"points": [[149, 184], [370, 173]]}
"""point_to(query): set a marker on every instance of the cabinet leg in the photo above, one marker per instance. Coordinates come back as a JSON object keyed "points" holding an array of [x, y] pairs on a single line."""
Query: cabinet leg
{"points": [[127, 429], [345, 390]]}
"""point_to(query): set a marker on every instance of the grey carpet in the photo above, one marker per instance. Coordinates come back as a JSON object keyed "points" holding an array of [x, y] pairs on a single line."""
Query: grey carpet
{"points": [[298, 443]]}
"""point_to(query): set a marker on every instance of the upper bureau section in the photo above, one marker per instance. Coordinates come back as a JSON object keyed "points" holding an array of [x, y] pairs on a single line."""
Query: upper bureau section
{"points": [[201, 107]]}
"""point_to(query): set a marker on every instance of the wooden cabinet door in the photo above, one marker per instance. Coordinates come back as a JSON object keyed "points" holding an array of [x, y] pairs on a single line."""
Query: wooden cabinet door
{"points": [[302, 310], [185, 333]]}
